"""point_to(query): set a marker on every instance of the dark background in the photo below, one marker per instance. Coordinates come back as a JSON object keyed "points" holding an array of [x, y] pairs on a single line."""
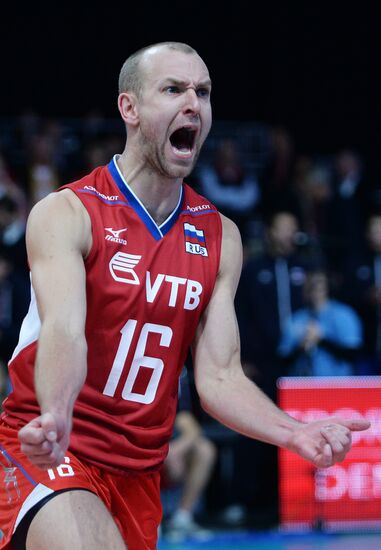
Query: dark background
{"points": [[308, 66], [305, 65]]}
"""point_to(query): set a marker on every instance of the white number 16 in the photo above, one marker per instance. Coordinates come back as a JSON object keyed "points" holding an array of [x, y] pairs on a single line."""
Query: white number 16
{"points": [[139, 360]]}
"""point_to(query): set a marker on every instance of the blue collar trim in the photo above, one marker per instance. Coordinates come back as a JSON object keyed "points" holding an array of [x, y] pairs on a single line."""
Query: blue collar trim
{"points": [[156, 231]]}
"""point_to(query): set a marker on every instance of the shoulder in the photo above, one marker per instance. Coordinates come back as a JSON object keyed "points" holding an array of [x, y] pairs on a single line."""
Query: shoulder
{"points": [[230, 233], [231, 250], [343, 309], [195, 202], [59, 215], [57, 207]]}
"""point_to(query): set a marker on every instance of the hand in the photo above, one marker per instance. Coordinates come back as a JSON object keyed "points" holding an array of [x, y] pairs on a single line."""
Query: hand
{"points": [[327, 441], [312, 335], [44, 440]]}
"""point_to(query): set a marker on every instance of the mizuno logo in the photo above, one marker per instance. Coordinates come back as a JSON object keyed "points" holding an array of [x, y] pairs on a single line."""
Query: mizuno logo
{"points": [[115, 232], [114, 237]]}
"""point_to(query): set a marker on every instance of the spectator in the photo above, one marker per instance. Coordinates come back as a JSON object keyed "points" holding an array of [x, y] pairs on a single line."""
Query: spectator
{"points": [[363, 291], [14, 301], [98, 151], [9, 187], [270, 289], [25, 127], [347, 210], [93, 126], [43, 176], [190, 462], [277, 180], [95, 154], [313, 189], [12, 232], [229, 186], [322, 338]]}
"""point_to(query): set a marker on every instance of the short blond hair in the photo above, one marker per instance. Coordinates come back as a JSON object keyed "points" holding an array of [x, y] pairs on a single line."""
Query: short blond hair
{"points": [[130, 75]]}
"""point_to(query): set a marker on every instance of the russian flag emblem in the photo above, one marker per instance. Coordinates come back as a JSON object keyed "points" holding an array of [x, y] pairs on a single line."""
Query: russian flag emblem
{"points": [[194, 240]]}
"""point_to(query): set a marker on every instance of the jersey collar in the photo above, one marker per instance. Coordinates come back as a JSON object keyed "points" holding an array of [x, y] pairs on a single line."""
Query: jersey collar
{"points": [[157, 231]]}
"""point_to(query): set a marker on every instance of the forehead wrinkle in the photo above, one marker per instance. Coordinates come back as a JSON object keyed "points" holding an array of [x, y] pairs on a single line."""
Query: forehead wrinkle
{"points": [[175, 61], [176, 80]]}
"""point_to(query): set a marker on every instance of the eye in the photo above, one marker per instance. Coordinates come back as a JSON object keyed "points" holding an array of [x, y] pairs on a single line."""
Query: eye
{"points": [[203, 92], [172, 90]]}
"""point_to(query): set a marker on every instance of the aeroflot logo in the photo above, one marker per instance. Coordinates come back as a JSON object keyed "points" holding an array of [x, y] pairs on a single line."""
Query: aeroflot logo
{"points": [[114, 235], [122, 267], [198, 208], [106, 197]]}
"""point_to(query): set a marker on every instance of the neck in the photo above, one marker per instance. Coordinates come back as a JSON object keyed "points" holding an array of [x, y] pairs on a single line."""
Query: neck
{"points": [[159, 194]]}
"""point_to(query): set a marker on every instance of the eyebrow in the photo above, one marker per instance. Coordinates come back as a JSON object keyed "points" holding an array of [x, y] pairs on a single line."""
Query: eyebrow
{"points": [[172, 80]]}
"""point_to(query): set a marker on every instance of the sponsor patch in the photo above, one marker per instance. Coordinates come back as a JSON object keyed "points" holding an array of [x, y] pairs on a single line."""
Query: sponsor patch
{"points": [[122, 267], [194, 240], [113, 235]]}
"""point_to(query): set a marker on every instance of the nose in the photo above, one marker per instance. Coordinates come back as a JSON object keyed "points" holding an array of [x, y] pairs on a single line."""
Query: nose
{"points": [[192, 102]]}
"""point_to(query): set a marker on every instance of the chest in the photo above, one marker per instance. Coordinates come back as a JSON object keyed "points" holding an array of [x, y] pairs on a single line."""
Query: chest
{"points": [[130, 268]]}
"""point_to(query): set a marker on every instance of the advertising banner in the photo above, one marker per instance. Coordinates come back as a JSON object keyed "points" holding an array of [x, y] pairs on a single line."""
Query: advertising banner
{"points": [[348, 494]]}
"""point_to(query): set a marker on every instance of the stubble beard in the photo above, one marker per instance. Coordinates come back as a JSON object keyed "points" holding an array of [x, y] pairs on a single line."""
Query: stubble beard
{"points": [[154, 157]]}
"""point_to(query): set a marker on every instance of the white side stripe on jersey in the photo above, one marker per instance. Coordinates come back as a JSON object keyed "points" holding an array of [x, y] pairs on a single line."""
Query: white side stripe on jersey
{"points": [[30, 328], [38, 493]]}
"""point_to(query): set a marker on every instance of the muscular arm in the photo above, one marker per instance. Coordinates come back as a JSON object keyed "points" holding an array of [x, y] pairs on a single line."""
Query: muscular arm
{"points": [[58, 237], [230, 397]]}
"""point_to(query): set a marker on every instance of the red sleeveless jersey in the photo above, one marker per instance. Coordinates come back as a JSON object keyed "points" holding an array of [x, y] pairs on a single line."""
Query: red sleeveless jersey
{"points": [[147, 287]]}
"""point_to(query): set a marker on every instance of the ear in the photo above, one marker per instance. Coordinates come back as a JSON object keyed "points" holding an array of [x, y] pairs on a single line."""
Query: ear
{"points": [[127, 104]]}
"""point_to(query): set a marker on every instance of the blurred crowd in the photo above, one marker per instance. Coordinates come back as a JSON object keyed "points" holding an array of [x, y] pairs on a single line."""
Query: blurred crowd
{"points": [[309, 299]]}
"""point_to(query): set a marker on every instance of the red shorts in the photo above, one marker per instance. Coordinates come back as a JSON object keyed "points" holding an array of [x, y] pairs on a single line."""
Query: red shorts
{"points": [[133, 499]]}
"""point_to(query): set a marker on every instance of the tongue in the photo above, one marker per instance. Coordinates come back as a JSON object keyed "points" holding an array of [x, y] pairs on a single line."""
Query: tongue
{"points": [[182, 147]]}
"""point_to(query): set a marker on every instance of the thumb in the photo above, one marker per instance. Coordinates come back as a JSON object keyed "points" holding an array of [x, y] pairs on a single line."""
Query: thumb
{"points": [[49, 427], [355, 425]]}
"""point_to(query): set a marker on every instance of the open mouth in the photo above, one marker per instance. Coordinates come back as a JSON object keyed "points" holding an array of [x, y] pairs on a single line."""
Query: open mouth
{"points": [[183, 140]]}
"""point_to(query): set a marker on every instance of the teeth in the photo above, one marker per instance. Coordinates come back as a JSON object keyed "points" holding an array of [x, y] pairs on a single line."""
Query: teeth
{"points": [[183, 153]]}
